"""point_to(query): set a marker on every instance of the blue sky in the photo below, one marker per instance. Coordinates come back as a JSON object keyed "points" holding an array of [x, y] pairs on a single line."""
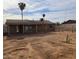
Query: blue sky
{"points": [[55, 10]]}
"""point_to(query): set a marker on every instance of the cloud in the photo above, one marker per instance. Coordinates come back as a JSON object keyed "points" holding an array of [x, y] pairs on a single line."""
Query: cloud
{"points": [[54, 9]]}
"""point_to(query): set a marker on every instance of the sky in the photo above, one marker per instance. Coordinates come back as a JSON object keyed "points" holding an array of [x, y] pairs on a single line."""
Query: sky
{"points": [[55, 10]]}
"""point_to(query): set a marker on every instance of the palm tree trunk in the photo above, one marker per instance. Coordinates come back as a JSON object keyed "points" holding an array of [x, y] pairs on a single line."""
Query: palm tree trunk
{"points": [[22, 19], [43, 18], [22, 14]]}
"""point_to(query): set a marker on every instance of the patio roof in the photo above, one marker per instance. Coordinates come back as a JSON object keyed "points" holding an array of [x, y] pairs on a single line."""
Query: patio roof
{"points": [[26, 22]]}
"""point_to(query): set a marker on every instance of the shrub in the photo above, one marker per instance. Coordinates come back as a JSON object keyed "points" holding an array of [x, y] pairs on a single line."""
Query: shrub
{"points": [[68, 39]]}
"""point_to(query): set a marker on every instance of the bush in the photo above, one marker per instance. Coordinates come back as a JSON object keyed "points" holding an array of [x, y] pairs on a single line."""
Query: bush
{"points": [[68, 39]]}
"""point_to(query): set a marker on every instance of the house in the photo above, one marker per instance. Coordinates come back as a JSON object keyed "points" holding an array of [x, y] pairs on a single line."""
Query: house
{"points": [[70, 22], [28, 26], [4, 29], [69, 25]]}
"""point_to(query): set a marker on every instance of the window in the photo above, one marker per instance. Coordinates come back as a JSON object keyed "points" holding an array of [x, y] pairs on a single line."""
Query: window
{"points": [[26, 28]]}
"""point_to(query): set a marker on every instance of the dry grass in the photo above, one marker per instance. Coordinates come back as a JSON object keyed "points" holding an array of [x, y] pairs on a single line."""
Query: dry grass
{"points": [[47, 46]]}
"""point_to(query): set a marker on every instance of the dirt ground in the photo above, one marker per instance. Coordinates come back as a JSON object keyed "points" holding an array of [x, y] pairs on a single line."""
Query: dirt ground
{"points": [[51, 45]]}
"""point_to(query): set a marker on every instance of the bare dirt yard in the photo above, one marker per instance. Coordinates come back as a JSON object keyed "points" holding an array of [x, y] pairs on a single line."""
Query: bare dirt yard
{"points": [[51, 45]]}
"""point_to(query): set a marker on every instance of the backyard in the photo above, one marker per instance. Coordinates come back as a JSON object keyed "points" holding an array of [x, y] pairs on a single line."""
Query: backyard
{"points": [[52, 45]]}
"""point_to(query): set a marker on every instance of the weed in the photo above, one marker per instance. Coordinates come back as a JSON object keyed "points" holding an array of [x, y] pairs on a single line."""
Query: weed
{"points": [[68, 39]]}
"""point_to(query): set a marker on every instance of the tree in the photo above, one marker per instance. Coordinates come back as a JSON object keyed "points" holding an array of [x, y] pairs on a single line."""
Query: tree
{"points": [[57, 23], [22, 6], [43, 15]]}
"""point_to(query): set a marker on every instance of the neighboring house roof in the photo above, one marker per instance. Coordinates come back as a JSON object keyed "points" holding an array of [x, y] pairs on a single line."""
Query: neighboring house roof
{"points": [[69, 22], [26, 22]]}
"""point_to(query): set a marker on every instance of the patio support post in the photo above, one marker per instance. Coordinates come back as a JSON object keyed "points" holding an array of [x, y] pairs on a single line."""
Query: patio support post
{"points": [[36, 27], [17, 29], [23, 29], [8, 30]]}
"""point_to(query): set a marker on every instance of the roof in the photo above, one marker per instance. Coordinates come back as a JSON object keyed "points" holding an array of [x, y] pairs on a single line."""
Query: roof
{"points": [[27, 22], [69, 22]]}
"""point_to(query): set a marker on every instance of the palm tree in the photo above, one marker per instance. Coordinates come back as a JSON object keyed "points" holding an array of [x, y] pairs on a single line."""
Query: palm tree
{"points": [[43, 15], [22, 6]]}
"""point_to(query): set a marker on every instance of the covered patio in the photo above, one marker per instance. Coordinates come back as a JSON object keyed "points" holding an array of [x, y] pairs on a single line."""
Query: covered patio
{"points": [[27, 26]]}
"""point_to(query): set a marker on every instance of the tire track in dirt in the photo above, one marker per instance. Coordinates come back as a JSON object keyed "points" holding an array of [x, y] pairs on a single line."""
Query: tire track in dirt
{"points": [[49, 51], [20, 52], [38, 50], [45, 50]]}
